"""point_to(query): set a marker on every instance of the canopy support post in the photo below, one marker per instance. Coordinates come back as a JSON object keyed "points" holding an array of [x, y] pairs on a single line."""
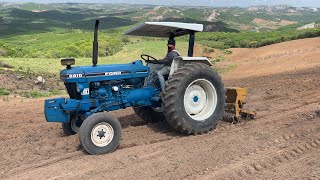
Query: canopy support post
{"points": [[191, 44]]}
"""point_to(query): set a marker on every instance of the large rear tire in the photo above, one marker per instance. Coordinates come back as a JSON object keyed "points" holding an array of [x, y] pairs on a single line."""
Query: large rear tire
{"points": [[194, 100], [148, 114], [100, 134]]}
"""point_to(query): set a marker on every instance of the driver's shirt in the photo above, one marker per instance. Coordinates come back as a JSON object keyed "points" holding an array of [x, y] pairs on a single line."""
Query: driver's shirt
{"points": [[169, 58]]}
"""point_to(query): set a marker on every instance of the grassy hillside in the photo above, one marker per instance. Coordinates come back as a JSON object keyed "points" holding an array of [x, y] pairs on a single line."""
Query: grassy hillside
{"points": [[78, 43], [253, 39], [30, 30], [129, 53]]}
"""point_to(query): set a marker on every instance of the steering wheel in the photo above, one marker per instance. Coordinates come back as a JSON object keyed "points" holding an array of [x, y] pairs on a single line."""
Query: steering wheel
{"points": [[149, 58]]}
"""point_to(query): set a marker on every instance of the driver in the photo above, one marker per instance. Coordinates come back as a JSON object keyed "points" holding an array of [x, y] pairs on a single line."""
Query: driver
{"points": [[166, 62]]}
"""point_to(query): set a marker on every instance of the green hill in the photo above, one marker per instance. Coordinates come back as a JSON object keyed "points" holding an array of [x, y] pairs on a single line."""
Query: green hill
{"points": [[65, 30], [31, 18]]}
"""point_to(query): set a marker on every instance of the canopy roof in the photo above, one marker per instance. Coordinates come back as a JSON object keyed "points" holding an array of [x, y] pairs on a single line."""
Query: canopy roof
{"points": [[164, 29]]}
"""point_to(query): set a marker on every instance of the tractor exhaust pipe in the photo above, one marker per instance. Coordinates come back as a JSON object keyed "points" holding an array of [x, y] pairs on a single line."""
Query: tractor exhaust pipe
{"points": [[95, 45]]}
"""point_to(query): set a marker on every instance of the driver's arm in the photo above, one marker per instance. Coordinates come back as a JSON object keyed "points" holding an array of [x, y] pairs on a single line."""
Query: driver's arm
{"points": [[169, 58]]}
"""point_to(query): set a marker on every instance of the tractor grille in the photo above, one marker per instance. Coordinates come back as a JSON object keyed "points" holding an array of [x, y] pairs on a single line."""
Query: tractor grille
{"points": [[72, 91]]}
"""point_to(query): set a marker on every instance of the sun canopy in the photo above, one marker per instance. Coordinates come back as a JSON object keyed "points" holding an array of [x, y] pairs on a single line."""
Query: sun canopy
{"points": [[164, 29]]}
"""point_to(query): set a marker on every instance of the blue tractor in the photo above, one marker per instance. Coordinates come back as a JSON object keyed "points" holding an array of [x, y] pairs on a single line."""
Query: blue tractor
{"points": [[192, 104]]}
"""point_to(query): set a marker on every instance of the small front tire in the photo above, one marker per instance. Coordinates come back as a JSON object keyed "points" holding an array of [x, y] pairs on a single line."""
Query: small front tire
{"points": [[73, 126], [67, 130], [100, 133]]}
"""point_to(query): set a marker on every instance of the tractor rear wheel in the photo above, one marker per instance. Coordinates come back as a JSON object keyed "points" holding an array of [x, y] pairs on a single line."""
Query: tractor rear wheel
{"points": [[148, 114], [194, 100], [100, 134]]}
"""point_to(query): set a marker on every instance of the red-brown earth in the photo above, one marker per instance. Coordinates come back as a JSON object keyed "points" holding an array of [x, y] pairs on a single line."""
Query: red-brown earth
{"points": [[283, 142]]}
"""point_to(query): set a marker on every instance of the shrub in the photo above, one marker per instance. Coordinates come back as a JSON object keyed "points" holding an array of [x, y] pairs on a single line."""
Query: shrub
{"points": [[125, 39], [5, 65], [219, 59], [226, 51], [208, 50], [3, 52], [4, 92], [37, 94]]}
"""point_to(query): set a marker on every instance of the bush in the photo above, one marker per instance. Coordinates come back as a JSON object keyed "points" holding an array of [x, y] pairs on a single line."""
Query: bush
{"points": [[226, 51], [208, 50], [125, 39], [214, 44], [219, 59], [4, 92], [5, 65], [3, 52], [54, 91], [37, 94], [113, 46]]}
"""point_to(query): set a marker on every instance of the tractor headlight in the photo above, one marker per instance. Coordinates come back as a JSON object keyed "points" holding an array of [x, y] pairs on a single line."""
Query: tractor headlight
{"points": [[80, 88]]}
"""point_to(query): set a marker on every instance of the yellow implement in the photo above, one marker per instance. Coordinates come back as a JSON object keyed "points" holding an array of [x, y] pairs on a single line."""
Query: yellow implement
{"points": [[235, 102]]}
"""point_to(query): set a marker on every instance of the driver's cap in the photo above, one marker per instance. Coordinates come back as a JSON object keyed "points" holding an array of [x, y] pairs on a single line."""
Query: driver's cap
{"points": [[171, 42]]}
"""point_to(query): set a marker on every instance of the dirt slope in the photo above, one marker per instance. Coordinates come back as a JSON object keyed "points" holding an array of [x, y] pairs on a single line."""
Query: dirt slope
{"points": [[283, 57], [282, 143]]}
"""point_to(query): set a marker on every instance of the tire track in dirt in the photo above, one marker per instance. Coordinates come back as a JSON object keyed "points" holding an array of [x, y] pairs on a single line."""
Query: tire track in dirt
{"points": [[294, 153], [169, 134], [278, 160], [313, 99], [243, 167], [295, 119], [42, 163]]}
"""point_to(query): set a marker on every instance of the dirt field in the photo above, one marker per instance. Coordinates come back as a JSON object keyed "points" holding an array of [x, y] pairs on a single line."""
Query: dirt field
{"points": [[282, 143]]}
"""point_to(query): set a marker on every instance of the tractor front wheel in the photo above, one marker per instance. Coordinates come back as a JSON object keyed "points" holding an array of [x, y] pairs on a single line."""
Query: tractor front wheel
{"points": [[194, 99], [73, 126], [100, 134]]}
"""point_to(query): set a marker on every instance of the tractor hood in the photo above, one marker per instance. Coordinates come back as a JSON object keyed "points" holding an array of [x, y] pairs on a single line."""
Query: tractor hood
{"points": [[79, 74]]}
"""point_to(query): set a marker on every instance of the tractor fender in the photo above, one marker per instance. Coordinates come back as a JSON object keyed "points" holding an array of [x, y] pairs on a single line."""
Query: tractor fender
{"points": [[181, 61]]}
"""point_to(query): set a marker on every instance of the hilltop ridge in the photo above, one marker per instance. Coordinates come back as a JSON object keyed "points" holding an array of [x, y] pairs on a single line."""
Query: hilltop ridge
{"points": [[35, 18]]}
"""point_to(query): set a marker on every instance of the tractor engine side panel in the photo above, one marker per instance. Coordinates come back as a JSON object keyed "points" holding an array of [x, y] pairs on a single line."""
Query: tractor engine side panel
{"points": [[100, 88], [109, 93], [59, 109]]}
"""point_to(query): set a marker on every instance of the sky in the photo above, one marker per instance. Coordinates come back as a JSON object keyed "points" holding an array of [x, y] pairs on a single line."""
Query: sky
{"points": [[214, 3]]}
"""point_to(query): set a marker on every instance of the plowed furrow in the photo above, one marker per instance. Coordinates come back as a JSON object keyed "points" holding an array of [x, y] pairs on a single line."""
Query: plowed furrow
{"points": [[269, 158]]}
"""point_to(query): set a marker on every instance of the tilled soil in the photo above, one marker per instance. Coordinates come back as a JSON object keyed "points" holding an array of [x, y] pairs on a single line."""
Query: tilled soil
{"points": [[283, 142]]}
